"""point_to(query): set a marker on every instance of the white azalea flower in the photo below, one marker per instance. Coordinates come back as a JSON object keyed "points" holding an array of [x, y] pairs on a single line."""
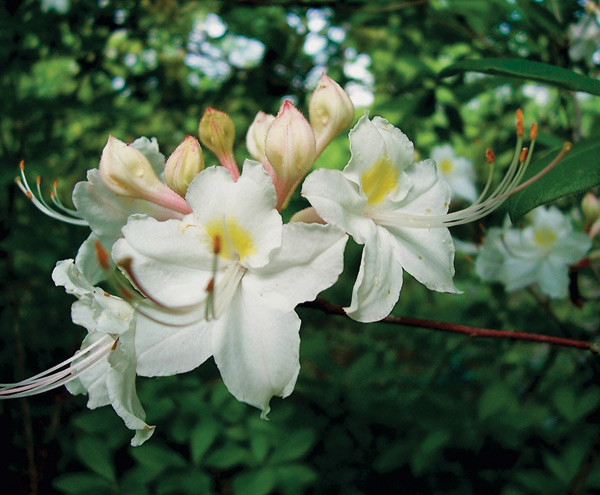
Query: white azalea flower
{"points": [[457, 171], [105, 367], [380, 178], [538, 254], [228, 277]]}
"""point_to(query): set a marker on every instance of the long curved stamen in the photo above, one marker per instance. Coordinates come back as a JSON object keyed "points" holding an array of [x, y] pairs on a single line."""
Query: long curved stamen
{"points": [[52, 378], [71, 216], [483, 206]]}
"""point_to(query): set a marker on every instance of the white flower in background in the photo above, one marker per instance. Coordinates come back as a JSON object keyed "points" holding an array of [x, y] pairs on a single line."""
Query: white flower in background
{"points": [[228, 277], [538, 254], [380, 180], [457, 171], [584, 37], [105, 367]]}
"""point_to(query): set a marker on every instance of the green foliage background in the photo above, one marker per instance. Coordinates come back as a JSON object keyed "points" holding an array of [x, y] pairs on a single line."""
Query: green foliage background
{"points": [[377, 408]]}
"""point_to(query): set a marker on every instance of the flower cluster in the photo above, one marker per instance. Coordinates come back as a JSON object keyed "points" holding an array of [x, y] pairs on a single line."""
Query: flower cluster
{"points": [[186, 262], [541, 253]]}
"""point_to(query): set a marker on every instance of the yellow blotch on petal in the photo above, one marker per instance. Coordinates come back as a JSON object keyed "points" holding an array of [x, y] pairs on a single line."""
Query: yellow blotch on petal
{"points": [[544, 237], [378, 180], [446, 166], [235, 242]]}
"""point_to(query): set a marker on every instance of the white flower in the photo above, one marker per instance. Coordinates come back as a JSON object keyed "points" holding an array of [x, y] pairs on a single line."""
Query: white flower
{"points": [[538, 254], [457, 171], [105, 367], [380, 180], [228, 277]]}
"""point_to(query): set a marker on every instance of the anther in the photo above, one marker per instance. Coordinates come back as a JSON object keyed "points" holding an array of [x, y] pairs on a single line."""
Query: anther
{"points": [[491, 158], [523, 156], [533, 132], [102, 256], [519, 122]]}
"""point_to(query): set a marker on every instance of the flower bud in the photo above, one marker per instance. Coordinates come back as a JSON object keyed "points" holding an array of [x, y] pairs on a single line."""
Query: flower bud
{"points": [[183, 165], [330, 110], [256, 135], [290, 149], [590, 207], [217, 133], [125, 171]]}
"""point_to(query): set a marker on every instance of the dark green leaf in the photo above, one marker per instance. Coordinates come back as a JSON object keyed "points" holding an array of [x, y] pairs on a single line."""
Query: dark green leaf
{"points": [[294, 445], [227, 456], [259, 482], [202, 437], [95, 454], [525, 69], [576, 173], [87, 483]]}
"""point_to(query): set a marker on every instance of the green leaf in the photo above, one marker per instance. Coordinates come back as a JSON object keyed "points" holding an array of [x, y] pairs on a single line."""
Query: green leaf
{"points": [[95, 454], [158, 457], [294, 446], [259, 482], [190, 483], [576, 173], [78, 483], [525, 69], [227, 456], [498, 397], [202, 437], [295, 475]]}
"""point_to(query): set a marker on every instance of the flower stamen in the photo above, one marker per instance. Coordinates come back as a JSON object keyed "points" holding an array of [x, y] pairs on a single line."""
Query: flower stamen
{"points": [[69, 216]]}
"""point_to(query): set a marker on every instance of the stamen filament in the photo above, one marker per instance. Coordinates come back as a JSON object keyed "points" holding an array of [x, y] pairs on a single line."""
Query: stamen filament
{"points": [[42, 382], [41, 204]]}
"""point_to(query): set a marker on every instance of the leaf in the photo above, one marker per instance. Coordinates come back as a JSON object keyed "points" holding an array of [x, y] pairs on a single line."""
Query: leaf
{"points": [[190, 482], [78, 483], [259, 482], [202, 437], [227, 456], [294, 446], [525, 69], [158, 457], [576, 173], [496, 398], [94, 453]]}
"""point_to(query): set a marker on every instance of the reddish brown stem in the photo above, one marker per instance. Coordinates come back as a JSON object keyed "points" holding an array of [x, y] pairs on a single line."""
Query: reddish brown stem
{"points": [[335, 309]]}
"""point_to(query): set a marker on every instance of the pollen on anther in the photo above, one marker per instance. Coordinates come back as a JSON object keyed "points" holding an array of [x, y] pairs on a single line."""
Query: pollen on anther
{"points": [[523, 154], [211, 285], [533, 132], [22, 164], [489, 154], [38, 180], [217, 244], [519, 122]]}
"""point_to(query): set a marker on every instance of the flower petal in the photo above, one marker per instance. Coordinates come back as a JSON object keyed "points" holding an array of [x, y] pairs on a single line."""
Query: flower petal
{"points": [[337, 201], [309, 261], [256, 347], [379, 280], [164, 350], [249, 202], [169, 260]]}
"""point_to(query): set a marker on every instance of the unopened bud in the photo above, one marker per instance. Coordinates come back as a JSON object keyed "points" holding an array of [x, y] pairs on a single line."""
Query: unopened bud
{"points": [[217, 133], [257, 134], [183, 165], [590, 205], [330, 111], [290, 149], [125, 171]]}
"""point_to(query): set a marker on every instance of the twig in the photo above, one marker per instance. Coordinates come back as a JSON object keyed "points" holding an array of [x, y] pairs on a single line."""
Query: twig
{"points": [[335, 309]]}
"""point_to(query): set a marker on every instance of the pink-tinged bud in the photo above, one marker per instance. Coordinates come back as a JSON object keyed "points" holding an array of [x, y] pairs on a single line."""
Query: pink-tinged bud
{"points": [[217, 133], [307, 215], [257, 134], [290, 149], [330, 110], [125, 171], [183, 165]]}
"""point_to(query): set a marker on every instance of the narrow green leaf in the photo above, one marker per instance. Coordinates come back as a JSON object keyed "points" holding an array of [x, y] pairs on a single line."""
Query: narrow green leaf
{"points": [[525, 69], [576, 173]]}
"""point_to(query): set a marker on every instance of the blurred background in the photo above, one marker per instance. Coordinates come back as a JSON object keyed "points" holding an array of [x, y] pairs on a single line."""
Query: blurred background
{"points": [[377, 408]]}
